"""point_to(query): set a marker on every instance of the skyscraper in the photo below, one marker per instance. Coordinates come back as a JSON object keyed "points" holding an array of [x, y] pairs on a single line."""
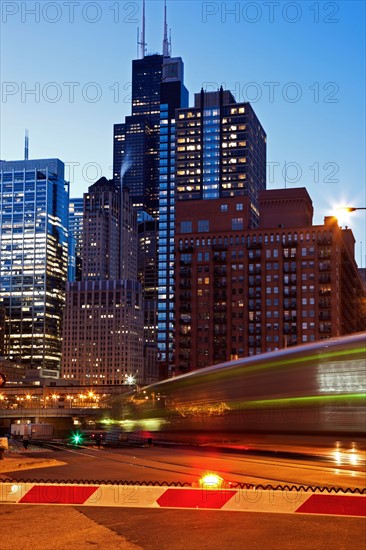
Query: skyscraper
{"points": [[220, 151], [144, 151], [215, 149], [243, 291], [101, 231], [103, 326], [76, 209], [34, 258], [136, 141], [173, 95]]}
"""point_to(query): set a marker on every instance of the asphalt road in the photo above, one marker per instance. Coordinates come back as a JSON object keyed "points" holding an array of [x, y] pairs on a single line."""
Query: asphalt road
{"points": [[182, 465], [67, 527]]}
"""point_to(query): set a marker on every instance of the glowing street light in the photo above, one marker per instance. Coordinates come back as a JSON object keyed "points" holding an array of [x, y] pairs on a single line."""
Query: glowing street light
{"points": [[343, 212], [130, 380], [351, 208]]}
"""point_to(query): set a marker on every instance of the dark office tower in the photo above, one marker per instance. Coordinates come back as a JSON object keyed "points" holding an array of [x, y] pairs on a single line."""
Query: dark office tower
{"points": [[34, 199], [136, 142], [146, 79], [101, 231], [148, 277], [76, 216], [134, 160], [128, 238], [174, 95], [221, 151]]}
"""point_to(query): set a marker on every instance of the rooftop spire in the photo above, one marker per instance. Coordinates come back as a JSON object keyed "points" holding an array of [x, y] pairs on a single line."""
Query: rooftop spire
{"points": [[26, 145], [166, 45], [142, 42]]}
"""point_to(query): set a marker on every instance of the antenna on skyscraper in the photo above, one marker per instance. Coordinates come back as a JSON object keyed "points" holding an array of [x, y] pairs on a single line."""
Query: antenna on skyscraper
{"points": [[142, 42], [285, 175], [166, 52], [26, 145]]}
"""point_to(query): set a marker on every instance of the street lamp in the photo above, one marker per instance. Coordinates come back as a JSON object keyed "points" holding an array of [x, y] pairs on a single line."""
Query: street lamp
{"points": [[351, 208], [347, 210], [344, 211], [130, 380]]}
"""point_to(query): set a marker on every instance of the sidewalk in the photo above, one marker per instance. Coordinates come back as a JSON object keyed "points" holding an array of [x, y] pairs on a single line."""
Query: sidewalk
{"points": [[49, 527], [17, 458]]}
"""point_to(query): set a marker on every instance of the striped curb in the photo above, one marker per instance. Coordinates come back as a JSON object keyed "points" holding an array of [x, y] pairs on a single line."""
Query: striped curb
{"points": [[137, 496]]}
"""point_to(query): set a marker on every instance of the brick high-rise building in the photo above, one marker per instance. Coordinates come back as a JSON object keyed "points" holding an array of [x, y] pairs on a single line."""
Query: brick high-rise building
{"points": [[101, 232], [103, 322], [219, 152], [242, 291], [103, 332]]}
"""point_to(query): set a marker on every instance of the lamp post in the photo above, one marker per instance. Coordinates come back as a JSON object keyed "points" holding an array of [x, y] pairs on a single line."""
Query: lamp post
{"points": [[351, 208]]}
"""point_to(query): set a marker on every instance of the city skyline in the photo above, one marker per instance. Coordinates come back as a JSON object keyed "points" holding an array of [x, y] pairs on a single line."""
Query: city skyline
{"points": [[300, 66]]}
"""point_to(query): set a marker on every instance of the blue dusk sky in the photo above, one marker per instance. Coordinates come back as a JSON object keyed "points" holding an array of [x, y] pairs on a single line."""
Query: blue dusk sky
{"points": [[66, 76]]}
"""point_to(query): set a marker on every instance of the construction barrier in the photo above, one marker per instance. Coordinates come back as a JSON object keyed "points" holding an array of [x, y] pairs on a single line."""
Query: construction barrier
{"points": [[139, 496]]}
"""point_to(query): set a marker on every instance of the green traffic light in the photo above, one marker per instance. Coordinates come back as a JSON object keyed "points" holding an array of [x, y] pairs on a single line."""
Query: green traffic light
{"points": [[77, 439]]}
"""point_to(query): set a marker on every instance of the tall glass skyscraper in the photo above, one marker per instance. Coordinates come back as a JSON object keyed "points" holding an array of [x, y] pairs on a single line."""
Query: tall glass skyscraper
{"points": [[173, 95], [136, 141], [144, 149], [34, 258], [76, 233]]}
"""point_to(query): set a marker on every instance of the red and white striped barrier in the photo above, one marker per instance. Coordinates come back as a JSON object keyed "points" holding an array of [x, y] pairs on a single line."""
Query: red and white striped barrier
{"points": [[136, 496]]}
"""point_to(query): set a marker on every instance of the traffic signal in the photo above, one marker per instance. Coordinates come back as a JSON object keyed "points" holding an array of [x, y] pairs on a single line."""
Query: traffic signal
{"points": [[77, 438]]}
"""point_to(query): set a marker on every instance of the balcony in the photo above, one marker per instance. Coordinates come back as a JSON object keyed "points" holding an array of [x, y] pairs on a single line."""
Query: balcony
{"points": [[255, 256], [219, 308], [219, 247], [325, 292], [220, 295], [218, 259], [289, 243], [183, 286], [185, 308], [219, 284], [220, 319], [325, 316], [325, 330]]}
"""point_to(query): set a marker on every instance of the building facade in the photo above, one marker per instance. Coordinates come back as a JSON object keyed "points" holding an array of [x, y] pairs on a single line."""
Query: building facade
{"points": [[215, 149], [101, 232], [104, 323], [76, 215], [243, 291], [34, 259], [136, 141], [147, 276], [220, 151], [103, 336], [173, 95]]}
